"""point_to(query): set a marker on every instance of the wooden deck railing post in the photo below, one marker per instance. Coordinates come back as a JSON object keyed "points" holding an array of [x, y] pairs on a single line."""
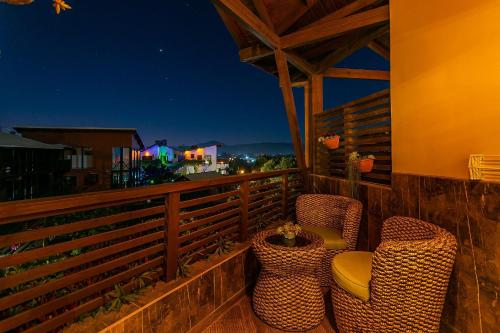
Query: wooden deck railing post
{"points": [[284, 194], [172, 218], [244, 197]]}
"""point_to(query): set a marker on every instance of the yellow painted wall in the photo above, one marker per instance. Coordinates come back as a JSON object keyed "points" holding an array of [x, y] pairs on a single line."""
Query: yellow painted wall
{"points": [[445, 84]]}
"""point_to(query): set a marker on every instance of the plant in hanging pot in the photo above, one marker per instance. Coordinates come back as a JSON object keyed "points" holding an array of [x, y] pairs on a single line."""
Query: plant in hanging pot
{"points": [[366, 163], [289, 231], [331, 141]]}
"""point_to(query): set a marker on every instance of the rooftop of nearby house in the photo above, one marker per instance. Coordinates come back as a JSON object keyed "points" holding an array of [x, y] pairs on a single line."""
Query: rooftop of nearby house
{"points": [[16, 141]]}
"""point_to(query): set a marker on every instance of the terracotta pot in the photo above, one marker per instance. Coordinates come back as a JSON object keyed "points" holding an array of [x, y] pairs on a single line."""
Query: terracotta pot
{"points": [[332, 143], [366, 165]]}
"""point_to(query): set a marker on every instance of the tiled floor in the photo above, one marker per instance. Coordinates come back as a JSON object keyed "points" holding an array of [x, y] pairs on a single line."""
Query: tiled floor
{"points": [[240, 318]]}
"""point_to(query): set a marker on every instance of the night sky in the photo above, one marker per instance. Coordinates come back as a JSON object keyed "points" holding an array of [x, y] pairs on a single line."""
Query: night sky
{"points": [[168, 68]]}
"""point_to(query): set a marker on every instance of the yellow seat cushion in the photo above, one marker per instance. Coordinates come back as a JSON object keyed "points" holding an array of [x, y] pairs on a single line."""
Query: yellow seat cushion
{"points": [[352, 271], [332, 237]]}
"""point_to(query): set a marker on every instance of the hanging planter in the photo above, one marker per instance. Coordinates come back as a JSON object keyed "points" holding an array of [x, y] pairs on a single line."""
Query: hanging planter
{"points": [[366, 164], [331, 141]]}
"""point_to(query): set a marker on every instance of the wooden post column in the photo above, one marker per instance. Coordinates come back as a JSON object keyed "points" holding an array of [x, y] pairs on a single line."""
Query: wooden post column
{"points": [[172, 220], [308, 134], [316, 105], [244, 197], [284, 195], [286, 89]]}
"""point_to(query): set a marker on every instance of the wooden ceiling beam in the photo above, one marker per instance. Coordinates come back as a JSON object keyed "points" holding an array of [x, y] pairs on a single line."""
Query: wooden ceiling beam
{"points": [[231, 25], [335, 27], [255, 52], [294, 16], [263, 13], [341, 53], [343, 12], [291, 112], [248, 19], [379, 49], [301, 64], [350, 73]]}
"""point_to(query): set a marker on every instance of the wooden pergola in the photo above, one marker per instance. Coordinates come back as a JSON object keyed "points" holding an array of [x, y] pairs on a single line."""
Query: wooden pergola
{"points": [[300, 41]]}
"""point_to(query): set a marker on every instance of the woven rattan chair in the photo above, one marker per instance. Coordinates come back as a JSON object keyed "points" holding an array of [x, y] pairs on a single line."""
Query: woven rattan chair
{"points": [[340, 215], [409, 274]]}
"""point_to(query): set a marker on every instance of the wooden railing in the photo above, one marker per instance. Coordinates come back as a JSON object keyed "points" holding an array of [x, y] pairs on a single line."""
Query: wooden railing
{"points": [[63, 256], [364, 125]]}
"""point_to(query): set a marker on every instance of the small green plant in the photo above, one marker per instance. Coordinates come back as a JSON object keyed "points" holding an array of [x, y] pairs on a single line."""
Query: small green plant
{"points": [[223, 246], [120, 297], [145, 279], [183, 267]]}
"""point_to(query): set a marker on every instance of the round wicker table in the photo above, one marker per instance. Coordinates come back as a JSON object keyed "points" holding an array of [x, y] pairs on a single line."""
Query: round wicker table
{"points": [[288, 294]]}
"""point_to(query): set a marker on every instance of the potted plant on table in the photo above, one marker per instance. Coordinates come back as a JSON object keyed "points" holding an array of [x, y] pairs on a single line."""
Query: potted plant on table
{"points": [[289, 231], [331, 141]]}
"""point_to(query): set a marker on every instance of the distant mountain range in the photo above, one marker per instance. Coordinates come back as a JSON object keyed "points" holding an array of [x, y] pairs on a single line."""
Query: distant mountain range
{"points": [[261, 148]]}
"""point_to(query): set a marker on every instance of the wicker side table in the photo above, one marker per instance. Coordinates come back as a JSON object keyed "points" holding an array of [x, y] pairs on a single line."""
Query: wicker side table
{"points": [[288, 294]]}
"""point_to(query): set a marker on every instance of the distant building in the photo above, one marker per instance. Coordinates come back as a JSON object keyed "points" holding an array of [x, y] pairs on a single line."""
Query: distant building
{"points": [[100, 157], [160, 151], [206, 156], [30, 169]]}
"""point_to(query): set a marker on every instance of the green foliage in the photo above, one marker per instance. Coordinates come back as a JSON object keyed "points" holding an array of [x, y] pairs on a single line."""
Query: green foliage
{"points": [[120, 297], [183, 267], [279, 163], [145, 279], [224, 246]]}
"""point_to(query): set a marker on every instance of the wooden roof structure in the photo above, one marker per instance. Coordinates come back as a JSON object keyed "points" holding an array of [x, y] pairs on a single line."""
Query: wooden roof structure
{"points": [[301, 41]]}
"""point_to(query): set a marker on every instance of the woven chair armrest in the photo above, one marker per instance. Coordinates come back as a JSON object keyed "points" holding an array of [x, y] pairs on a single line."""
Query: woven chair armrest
{"points": [[351, 224]]}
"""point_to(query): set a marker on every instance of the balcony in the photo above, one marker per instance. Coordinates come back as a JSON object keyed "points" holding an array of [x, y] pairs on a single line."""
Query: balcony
{"points": [[178, 257]]}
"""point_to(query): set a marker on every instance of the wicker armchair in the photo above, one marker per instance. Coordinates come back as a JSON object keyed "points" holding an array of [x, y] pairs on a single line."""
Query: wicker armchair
{"points": [[334, 212], [410, 271]]}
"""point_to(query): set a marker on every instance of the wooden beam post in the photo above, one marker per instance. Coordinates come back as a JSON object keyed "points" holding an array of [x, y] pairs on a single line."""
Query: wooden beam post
{"points": [[286, 89], [316, 95], [244, 197], [284, 195], [172, 219], [307, 125]]}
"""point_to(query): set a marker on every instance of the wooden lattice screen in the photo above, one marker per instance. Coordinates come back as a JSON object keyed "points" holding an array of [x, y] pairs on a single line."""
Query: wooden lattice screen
{"points": [[364, 125]]}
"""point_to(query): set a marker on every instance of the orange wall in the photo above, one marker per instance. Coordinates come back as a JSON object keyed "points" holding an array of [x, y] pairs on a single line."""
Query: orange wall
{"points": [[445, 84]]}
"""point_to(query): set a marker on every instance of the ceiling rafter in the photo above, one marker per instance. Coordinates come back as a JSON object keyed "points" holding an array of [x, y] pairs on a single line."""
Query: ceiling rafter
{"points": [[232, 26], [343, 12], [341, 53], [263, 13], [247, 18], [294, 16], [379, 49], [300, 63], [351, 73], [254, 53], [335, 27]]}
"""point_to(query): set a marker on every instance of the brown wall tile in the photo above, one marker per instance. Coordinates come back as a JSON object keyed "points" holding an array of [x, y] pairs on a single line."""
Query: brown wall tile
{"points": [[201, 297], [470, 211]]}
